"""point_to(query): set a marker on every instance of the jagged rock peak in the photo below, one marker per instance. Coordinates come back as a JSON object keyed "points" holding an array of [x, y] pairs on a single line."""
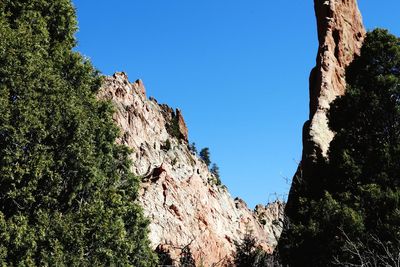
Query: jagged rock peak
{"points": [[340, 34], [139, 86], [179, 194]]}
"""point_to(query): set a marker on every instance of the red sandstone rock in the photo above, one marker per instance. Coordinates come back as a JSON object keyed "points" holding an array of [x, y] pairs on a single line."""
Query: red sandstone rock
{"points": [[182, 125], [139, 87], [182, 205], [340, 34]]}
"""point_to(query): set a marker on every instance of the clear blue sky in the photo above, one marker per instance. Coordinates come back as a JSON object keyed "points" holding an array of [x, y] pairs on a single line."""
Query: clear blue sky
{"points": [[238, 70]]}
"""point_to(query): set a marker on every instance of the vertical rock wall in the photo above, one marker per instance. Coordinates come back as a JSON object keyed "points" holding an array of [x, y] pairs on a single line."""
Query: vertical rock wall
{"points": [[340, 34]]}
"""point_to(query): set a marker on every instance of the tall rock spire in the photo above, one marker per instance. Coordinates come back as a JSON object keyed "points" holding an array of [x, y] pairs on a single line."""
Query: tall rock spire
{"points": [[340, 34]]}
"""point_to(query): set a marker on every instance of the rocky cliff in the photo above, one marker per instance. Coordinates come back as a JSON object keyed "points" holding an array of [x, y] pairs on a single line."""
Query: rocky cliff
{"points": [[179, 194], [340, 34]]}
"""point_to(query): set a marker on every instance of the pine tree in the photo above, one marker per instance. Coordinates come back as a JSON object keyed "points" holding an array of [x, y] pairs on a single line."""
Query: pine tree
{"points": [[205, 156], [248, 254], [355, 196], [67, 195], [215, 170], [246, 251], [192, 148]]}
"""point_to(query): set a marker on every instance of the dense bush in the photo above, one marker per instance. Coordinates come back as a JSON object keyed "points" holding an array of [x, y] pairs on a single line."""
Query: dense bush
{"points": [[67, 195], [356, 194]]}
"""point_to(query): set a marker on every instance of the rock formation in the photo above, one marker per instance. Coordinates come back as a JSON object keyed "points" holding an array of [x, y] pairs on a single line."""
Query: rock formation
{"points": [[340, 34], [179, 194]]}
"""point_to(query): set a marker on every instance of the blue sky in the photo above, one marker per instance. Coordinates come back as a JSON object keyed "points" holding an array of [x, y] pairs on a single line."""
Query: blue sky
{"points": [[237, 69]]}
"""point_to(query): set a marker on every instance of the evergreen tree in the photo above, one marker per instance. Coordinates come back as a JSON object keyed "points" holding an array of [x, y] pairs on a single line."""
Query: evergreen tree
{"points": [[355, 196], [205, 156], [192, 148], [215, 170], [67, 195], [249, 255], [246, 252]]}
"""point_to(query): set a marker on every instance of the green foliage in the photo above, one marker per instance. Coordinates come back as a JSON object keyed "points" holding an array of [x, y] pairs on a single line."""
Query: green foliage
{"points": [[173, 127], [205, 156], [215, 170], [192, 148], [249, 255], [356, 194], [246, 252], [67, 195]]}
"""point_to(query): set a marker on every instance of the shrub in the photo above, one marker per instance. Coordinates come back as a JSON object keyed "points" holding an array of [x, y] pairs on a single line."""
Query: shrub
{"points": [[186, 258], [167, 145]]}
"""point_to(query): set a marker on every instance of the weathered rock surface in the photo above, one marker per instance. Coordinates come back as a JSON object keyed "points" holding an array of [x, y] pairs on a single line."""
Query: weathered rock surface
{"points": [[340, 34], [179, 194]]}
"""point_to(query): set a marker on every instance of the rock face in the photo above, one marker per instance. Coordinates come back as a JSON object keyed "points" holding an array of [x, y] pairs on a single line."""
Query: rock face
{"points": [[340, 34], [179, 194]]}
